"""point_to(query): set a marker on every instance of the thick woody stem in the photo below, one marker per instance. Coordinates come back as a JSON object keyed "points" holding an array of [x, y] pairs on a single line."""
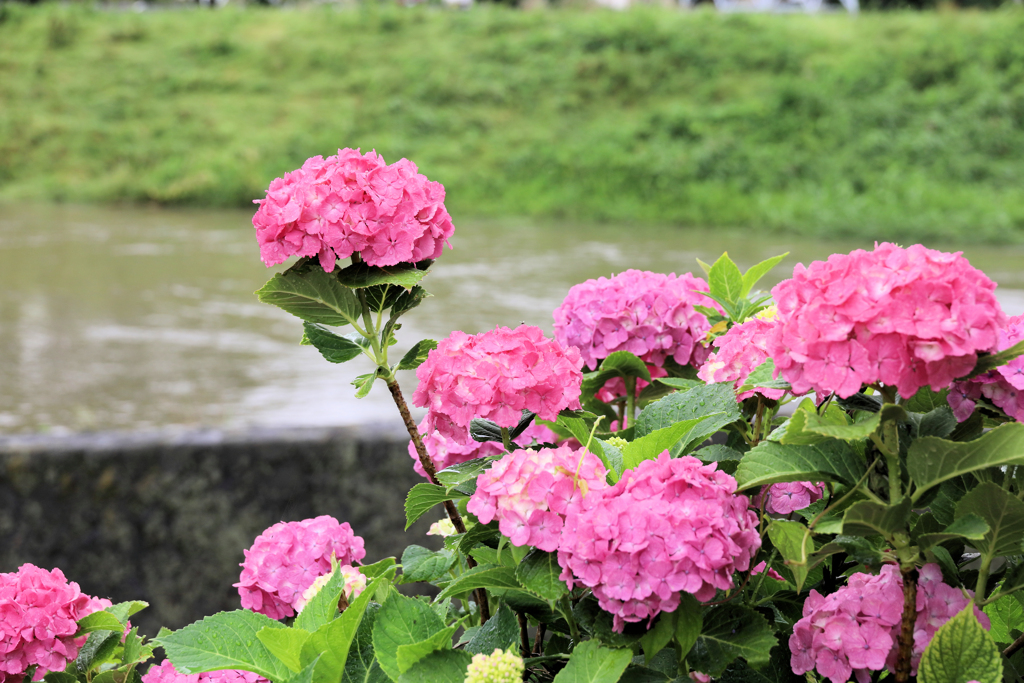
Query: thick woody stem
{"points": [[428, 467], [906, 638], [524, 634]]}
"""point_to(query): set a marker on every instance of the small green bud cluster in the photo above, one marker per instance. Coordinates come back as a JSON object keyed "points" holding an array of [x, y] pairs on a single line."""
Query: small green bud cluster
{"points": [[498, 667]]}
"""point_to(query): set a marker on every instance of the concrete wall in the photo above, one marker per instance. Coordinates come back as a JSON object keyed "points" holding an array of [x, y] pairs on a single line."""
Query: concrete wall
{"points": [[164, 517]]}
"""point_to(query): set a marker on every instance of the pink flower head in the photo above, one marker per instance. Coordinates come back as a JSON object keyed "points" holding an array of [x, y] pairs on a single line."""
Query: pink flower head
{"points": [[529, 491], [496, 375], [445, 452], [670, 525], [353, 203], [789, 496], [855, 629], [166, 673], [288, 557], [1003, 386], [903, 317], [39, 611], [740, 351], [651, 315]]}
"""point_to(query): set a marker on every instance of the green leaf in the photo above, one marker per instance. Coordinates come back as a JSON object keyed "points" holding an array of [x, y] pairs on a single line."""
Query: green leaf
{"points": [[329, 645], [285, 644], [323, 608], [99, 621], [725, 280], [312, 295], [135, 651], [226, 640], [124, 610], [931, 461], [445, 666], [680, 383], [689, 623], [659, 635], [59, 677], [926, 400], [1006, 616], [417, 354], [423, 497], [407, 655], [994, 360], [961, 651], [591, 663], [481, 576], [361, 274], [617, 364], [465, 471], [762, 377], [363, 383], [758, 271], [422, 564], [732, 631], [771, 463], [868, 518], [650, 446], [1004, 514], [778, 670], [334, 348], [717, 402], [501, 631], [99, 648], [939, 422], [795, 544], [401, 621], [539, 572], [361, 665], [807, 427], [383, 567], [970, 526], [406, 302], [307, 674]]}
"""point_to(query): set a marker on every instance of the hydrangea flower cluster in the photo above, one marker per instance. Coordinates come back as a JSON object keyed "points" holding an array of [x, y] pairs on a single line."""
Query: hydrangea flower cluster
{"points": [[668, 526], [38, 614], [1003, 386], [445, 452], [496, 375], [530, 491], [497, 667], [353, 203], [354, 584], [288, 557], [855, 629], [741, 350], [651, 315], [166, 673], [904, 317], [789, 496]]}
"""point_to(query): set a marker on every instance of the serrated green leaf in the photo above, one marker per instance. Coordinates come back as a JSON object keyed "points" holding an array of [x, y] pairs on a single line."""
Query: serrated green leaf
{"points": [[726, 280], [445, 666], [716, 402], [961, 651], [501, 631], [772, 463], [226, 640], [409, 654], [359, 275], [868, 518], [323, 607], [334, 348], [729, 632], [591, 663], [417, 354], [762, 377], [539, 573], [312, 295], [363, 383], [931, 461], [124, 610], [401, 621], [98, 649], [466, 471], [407, 301], [285, 644], [307, 674], [1005, 615], [1004, 514], [383, 567], [422, 564], [99, 621], [758, 271], [795, 545], [970, 526], [926, 400], [807, 427], [778, 670], [650, 446], [423, 497], [361, 665], [481, 576]]}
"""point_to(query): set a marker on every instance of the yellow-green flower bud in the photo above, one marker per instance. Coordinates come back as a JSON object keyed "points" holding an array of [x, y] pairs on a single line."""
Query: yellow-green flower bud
{"points": [[499, 667]]}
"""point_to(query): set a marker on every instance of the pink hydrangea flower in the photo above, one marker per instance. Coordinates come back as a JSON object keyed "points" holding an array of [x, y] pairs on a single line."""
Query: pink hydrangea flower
{"points": [[903, 317], [166, 673], [445, 452], [38, 614], [649, 314], [1003, 386], [288, 557], [741, 350], [855, 630], [789, 496], [353, 203], [670, 525], [529, 491], [496, 375]]}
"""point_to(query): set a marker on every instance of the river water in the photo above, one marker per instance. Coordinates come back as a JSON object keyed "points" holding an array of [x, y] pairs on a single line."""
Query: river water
{"points": [[129, 318]]}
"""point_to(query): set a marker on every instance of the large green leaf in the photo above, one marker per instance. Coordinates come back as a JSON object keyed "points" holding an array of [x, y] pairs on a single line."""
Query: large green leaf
{"points": [[501, 632], [423, 564], [931, 461], [285, 644], [689, 623], [309, 293], [795, 544], [361, 665], [481, 576], [1004, 514], [961, 651], [717, 402], [361, 274], [758, 271], [401, 621], [323, 607], [99, 621], [329, 645], [409, 654], [334, 348], [771, 463], [725, 280], [808, 427], [650, 446], [1006, 616], [226, 640], [539, 573], [732, 631], [868, 518], [591, 663], [423, 497], [445, 666]]}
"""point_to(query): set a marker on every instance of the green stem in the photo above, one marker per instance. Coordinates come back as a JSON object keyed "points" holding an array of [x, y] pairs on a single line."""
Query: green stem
{"points": [[506, 439], [565, 607], [630, 402], [891, 439], [757, 421], [767, 566], [368, 322], [979, 588]]}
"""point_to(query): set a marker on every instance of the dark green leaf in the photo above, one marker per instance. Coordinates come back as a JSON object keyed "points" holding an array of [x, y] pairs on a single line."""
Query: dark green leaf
{"points": [[312, 295], [407, 301], [807, 427], [484, 430], [617, 364], [591, 663], [868, 518], [500, 632], [445, 666], [659, 635], [715, 402], [539, 573], [689, 623], [401, 621], [422, 564], [732, 631], [1004, 514], [465, 471], [991, 361], [772, 463], [417, 354], [98, 648], [361, 665], [334, 348], [361, 274], [931, 461], [423, 497], [970, 526], [939, 422], [1006, 615], [961, 651], [926, 400], [778, 670], [481, 576]]}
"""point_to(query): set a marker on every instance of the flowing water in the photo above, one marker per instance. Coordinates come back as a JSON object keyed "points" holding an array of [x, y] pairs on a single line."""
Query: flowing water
{"points": [[128, 318]]}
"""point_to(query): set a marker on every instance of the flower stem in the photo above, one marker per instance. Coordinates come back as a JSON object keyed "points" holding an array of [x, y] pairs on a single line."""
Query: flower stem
{"points": [[979, 588], [428, 467], [905, 641], [630, 402], [565, 607]]}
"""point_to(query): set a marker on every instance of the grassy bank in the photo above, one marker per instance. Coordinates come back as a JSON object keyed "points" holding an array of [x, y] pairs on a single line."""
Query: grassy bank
{"points": [[906, 126]]}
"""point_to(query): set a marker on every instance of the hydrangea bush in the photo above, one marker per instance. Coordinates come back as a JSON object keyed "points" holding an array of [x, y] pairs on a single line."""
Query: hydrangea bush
{"points": [[692, 480]]}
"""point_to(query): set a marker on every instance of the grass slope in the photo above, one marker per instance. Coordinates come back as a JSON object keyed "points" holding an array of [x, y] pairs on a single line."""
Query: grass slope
{"points": [[907, 126]]}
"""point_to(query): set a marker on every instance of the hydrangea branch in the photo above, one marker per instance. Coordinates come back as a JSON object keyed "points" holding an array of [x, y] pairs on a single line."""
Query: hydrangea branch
{"points": [[905, 642]]}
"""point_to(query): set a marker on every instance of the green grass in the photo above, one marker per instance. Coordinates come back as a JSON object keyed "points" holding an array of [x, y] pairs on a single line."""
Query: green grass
{"points": [[903, 125]]}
